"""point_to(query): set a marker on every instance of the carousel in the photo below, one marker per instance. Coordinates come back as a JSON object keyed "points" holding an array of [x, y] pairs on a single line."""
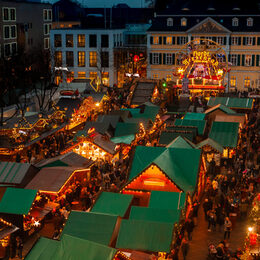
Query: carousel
{"points": [[202, 68]]}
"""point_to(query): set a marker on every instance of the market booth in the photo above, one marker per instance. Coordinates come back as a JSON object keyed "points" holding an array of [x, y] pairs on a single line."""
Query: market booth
{"points": [[200, 124]]}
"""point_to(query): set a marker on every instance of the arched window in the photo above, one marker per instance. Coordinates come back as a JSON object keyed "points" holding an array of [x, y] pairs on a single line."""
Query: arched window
{"points": [[249, 22], [169, 22], [183, 22], [234, 22]]}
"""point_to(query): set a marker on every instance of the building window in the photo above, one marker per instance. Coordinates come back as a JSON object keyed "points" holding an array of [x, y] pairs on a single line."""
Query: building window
{"points": [[81, 59], [92, 40], [104, 41], [70, 76], [57, 40], [58, 58], [155, 58], [233, 81], [155, 76], [247, 82], [183, 22], [249, 40], [81, 40], [249, 22], [5, 14], [169, 22], [46, 43], [13, 31], [233, 59], [104, 59], [70, 59], [14, 48], [47, 14], [105, 78], [168, 40], [47, 28], [93, 75], [50, 15], [248, 60], [235, 40], [81, 74], [9, 14], [92, 59], [69, 40], [182, 40], [12, 12], [220, 40], [168, 58], [6, 32], [168, 77], [156, 40], [234, 22]]}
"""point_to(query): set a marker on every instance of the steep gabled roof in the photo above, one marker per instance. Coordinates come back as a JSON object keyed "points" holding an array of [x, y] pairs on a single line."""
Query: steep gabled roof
{"points": [[181, 142], [210, 142]]}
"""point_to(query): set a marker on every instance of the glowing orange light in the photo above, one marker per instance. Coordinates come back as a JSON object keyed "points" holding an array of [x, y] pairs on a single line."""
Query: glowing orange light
{"points": [[154, 183]]}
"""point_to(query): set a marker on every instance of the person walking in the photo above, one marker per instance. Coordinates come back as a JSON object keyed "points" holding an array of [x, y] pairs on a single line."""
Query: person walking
{"points": [[227, 228], [19, 246], [184, 248]]}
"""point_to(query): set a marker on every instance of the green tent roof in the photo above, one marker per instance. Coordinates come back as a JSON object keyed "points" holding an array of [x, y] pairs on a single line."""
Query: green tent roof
{"points": [[55, 164], [211, 143], [13, 173], [180, 165], [200, 124], [44, 249], [145, 235], [112, 203], [167, 137], [180, 142], [150, 112], [194, 116], [17, 201], [225, 133], [167, 200], [133, 111], [243, 103], [97, 227], [157, 215], [123, 129], [127, 139], [223, 108], [180, 128]]}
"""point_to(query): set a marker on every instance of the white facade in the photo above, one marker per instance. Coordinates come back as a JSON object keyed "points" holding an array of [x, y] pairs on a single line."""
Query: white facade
{"points": [[115, 38]]}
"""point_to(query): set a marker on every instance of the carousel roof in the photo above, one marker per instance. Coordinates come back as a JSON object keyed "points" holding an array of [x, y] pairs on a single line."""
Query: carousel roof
{"points": [[180, 165], [225, 133], [200, 124], [145, 235], [209, 142], [98, 227], [223, 108], [239, 103], [112, 203], [17, 201]]}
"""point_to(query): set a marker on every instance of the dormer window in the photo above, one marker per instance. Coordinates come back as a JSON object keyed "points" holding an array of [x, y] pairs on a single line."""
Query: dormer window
{"points": [[169, 22], [234, 22], [249, 22], [183, 22]]}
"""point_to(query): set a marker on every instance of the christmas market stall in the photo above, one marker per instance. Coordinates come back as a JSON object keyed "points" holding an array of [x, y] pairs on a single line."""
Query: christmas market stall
{"points": [[194, 116], [117, 204], [200, 124], [16, 174], [236, 118], [226, 134]]}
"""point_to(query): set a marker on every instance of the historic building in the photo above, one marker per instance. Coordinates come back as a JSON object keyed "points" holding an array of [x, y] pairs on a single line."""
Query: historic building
{"points": [[235, 30]]}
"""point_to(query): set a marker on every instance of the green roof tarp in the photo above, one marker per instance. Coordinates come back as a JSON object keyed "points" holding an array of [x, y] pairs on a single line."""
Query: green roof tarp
{"points": [[179, 142], [133, 111], [225, 133], [127, 139], [194, 116], [200, 124], [44, 249], [180, 128], [97, 227], [13, 173], [223, 108], [57, 163], [123, 129], [167, 200], [150, 112], [211, 143], [145, 235], [157, 215], [167, 137], [112, 203], [180, 165], [17, 201], [243, 103]]}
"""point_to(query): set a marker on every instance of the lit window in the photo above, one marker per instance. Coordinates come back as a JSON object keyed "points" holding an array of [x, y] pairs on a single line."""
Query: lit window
{"points": [[93, 75], [81, 74], [183, 22], [248, 60], [249, 22], [155, 76], [81, 40], [81, 59], [168, 77], [233, 81], [70, 76], [169, 22], [234, 22], [105, 78], [156, 40], [92, 59], [169, 40], [155, 59], [247, 82], [58, 58]]}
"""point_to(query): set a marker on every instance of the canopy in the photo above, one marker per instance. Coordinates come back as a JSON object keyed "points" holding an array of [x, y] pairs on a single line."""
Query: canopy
{"points": [[221, 107], [91, 226], [17, 201], [112, 203], [157, 215], [225, 133], [194, 116], [180, 165], [216, 146], [200, 124], [167, 200], [127, 139], [145, 235], [239, 103], [180, 142]]}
